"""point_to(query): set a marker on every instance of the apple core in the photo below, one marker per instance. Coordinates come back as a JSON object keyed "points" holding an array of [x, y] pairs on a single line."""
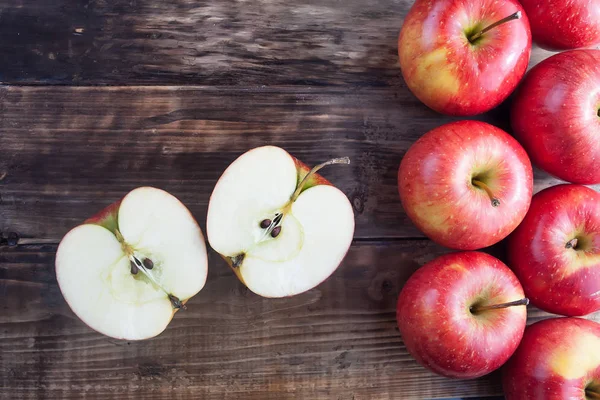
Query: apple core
{"points": [[273, 227]]}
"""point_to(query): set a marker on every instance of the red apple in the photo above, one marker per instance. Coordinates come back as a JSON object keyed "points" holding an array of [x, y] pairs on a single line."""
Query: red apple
{"points": [[555, 115], [564, 25], [555, 251], [462, 315], [464, 57], [558, 359], [466, 185]]}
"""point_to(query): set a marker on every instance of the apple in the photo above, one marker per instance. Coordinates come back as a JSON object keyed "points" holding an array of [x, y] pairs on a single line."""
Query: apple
{"points": [[558, 359], [280, 226], [127, 270], [555, 251], [556, 115], [466, 184], [464, 57], [564, 25], [462, 315]]}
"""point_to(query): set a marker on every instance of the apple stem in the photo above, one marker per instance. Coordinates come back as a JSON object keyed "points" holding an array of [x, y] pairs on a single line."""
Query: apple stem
{"points": [[478, 309], [572, 244], [486, 188], [175, 302], [591, 394], [478, 34], [343, 160]]}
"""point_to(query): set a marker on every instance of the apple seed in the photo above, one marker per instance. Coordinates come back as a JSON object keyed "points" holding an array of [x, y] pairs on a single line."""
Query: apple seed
{"points": [[148, 263], [134, 268], [265, 223], [276, 231]]}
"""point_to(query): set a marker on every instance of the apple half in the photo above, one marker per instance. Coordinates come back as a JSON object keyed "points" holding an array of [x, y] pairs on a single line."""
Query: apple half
{"points": [[127, 270], [281, 227]]}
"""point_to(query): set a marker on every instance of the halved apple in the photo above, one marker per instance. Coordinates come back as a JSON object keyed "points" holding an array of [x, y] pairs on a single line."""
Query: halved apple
{"points": [[281, 227], [127, 270]]}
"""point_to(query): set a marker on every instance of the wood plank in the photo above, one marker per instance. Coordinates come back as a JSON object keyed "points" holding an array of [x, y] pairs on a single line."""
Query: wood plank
{"points": [[225, 42], [338, 341], [68, 152]]}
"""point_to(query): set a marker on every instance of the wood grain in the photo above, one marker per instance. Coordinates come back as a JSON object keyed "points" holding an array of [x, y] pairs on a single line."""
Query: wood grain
{"points": [[193, 84], [203, 42], [68, 152], [338, 341]]}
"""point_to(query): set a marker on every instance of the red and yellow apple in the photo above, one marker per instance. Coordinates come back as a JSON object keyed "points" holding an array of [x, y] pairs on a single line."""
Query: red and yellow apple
{"points": [[558, 359], [464, 57], [555, 251], [462, 315], [556, 115], [564, 24], [466, 185]]}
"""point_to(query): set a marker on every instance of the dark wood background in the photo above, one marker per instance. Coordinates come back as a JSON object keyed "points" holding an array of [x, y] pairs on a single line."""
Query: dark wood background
{"points": [[100, 97]]}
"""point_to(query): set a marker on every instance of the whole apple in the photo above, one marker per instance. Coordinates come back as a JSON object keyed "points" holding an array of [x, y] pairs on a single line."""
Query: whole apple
{"points": [[462, 315], [464, 57], [558, 359], [466, 185], [555, 251], [556, 115], [564, 25]]}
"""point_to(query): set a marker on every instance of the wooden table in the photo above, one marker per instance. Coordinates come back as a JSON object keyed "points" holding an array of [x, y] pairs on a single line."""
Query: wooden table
{"points": [[100, 97]]}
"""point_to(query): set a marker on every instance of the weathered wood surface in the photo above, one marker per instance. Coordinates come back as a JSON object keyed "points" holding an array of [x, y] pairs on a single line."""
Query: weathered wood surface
{"points": [[68, 152], [203, 42], [318, 77], [338, 341]]}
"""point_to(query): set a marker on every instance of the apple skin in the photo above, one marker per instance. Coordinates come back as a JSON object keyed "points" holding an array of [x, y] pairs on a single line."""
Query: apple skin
{"points": [[558, 279], [564, 25], [107, 217], [434, 182], [556, 359], [448, 73], [437, 326], [555, 115]]}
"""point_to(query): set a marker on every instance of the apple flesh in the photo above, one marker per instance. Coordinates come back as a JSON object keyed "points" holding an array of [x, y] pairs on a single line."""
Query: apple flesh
{"points": [[564, 25], [555, 252], [127, 270], [556, 115], [464, 57], [466, 185], [558, 359], [462, 315], [282, 228]]}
